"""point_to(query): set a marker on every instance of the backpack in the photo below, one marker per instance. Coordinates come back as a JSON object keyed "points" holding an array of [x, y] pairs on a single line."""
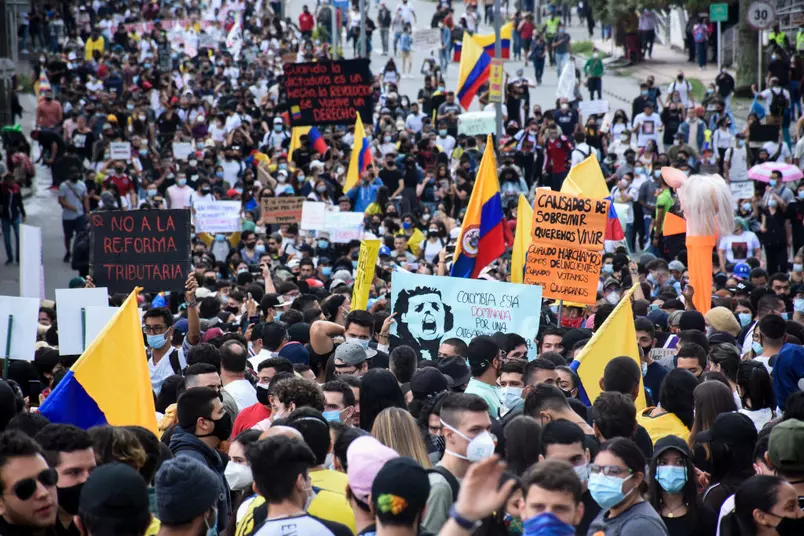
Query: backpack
{"points": [[173, 357], [778, 103], [454, 485]]}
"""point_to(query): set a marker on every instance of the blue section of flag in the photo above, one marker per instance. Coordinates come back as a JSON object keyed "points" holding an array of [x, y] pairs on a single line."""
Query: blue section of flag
{"points": [[69, 403]]}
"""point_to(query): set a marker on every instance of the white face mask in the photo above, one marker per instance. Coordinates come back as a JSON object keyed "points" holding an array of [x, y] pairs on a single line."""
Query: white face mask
{"points": [[582, 471], [479, 448], [238, 476], [510, 396]]}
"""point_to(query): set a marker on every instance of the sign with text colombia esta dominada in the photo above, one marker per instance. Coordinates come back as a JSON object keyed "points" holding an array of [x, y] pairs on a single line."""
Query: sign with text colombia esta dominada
{"points": [[329, 92], [145, 248], [564, 257]]}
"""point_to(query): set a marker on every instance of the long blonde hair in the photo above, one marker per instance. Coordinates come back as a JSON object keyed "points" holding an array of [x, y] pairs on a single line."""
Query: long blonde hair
{"points": [[395, 428]]}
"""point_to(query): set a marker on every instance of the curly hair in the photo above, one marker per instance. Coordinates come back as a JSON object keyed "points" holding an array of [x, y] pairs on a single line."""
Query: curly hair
{"points": [[300, 392]]}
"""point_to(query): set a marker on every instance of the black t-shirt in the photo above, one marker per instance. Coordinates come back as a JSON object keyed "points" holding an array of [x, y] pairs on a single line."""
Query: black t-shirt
{"points": [[168, 125], [795, 213], [705, 523], [390, 178], [47, 137], [775, 234], [83, 141]]}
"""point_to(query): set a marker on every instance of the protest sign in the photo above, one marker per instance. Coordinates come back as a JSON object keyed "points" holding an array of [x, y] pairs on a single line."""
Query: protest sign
{"points": [[595, 107], [313, 216], [742, 190], [282, 209], [95, 319], [120, 150], [217, 217], [474, 123], [566, 219], [366, 263], [427, 39], [564, 272], [21, 342], [145, 248], [182, 150], [343, 227], [32, 270], [430, 309], [664, 356], [330, 92], [566, 82], [207, 41], [69, 305]]}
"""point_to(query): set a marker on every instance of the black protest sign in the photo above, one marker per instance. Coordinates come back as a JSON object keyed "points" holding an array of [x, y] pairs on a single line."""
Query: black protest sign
{"points": [[330, 92], [140, 248]]}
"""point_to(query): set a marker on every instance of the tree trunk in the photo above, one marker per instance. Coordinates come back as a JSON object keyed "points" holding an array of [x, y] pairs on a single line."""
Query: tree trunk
{"points": [[747, 56]]}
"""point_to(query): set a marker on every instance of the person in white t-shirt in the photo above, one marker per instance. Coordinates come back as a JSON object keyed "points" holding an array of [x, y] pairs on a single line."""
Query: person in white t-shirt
{"points": [[647, 126], [684, 90], [234, 358], [406, 11], [178, 195], [735, 161], [739, 246], [784, 154]]}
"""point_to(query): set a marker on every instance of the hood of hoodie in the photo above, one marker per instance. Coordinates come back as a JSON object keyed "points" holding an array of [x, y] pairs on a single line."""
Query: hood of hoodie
{"points": [[788, 372], [182, 440]]}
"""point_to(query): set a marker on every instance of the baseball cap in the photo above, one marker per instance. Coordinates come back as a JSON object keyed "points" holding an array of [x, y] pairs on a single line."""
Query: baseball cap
{"points": [[295, 353], [730, 428], [784, 446], [456, 370], [115, 491], [742, 270], [677, 266], [611, 281], [351, 354], [427, 382], [674, 318], [671, 442], [364, 459], [399, 491], [659, 318]]}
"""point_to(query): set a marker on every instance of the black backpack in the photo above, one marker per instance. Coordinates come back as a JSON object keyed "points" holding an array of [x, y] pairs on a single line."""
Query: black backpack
{"points": [[454, 485], [778, 103]]}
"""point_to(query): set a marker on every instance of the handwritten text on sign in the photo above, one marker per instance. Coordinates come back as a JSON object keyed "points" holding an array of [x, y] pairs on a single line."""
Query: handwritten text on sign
{"points": [[332, 92], [561, 218], [564, 272], [217, 217], [147, 248], [281, 209]]}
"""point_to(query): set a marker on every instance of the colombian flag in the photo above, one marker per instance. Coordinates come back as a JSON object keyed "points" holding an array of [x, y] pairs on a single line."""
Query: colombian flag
{"points": [[487, 41], [481, 240], [586, 179], [473, 72], [295, 112], [524, 230], [361, 156], [317, 141], [456, 51], [110, 383]]}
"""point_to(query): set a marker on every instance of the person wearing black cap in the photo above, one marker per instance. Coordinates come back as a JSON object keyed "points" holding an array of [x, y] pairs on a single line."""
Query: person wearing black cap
{"points": [[186, 497], [114, 500], [673, 489], [485, 361], [457, 372], [398, 497]]}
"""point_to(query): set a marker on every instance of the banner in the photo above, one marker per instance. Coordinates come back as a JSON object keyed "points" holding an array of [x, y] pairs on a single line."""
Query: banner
{"points": [[328, 93], [430, 309], [343, 227], [367, 262], [595, 107], [564, 257], [281, 209], [145, 248], [742, 190], [475, 123], [120, 150], [429, 39], [217, 217]]}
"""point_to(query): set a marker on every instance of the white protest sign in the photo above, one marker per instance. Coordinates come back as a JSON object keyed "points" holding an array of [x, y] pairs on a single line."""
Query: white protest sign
{"points": [[344, 227], [32, 270], [69, 302], [430, 309], [427, 39], [207, 41], [595, 107], [120, 150], [25, 319], [742, 190], [566, 82], [474, 123], [664, 356], [313, 215], [95, 319], [217, 217], [182, 150]]}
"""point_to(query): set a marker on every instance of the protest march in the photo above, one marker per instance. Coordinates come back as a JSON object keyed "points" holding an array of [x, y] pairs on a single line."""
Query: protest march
{"points": [[303, 288]]}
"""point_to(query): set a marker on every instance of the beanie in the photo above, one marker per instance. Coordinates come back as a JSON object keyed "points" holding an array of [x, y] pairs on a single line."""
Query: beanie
{"points": [[721, 319], [185, 489]]}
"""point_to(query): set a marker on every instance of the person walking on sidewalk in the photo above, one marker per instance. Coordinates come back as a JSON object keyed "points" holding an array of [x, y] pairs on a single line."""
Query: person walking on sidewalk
{"points": [[538, 51], [593, 69], [526, 28], [700, 34], [647, 31], [12, 213], [561, 48], [384, 22]]}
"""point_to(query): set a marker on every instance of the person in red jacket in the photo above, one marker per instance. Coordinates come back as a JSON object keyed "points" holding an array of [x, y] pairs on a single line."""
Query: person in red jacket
{"points": [[558, 149], [306, 22]]}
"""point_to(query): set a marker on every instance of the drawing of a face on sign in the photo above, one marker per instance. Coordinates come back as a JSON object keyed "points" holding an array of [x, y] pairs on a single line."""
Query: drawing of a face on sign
{"points": [[423, 319]]}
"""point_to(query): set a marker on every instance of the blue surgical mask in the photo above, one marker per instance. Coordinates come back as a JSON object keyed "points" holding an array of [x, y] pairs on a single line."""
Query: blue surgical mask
{"points": [[607, 491], [326, 271], [671, 478], [772, 203], [219, 174], [259, 249], [323, 244], [332, 416], [354, 264], [773, 183], [607, 269], [747, 207], [156, 341], [546, 524], [798, 305], [756, 347], [406, 225], [745, 319], [510, 396], [220, 237], [181, 182], [798, 267], [362, 342], [152, 192]]}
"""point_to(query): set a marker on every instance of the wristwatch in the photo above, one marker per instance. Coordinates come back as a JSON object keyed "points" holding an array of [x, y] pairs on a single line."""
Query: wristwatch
{"points": [[462, 522]]}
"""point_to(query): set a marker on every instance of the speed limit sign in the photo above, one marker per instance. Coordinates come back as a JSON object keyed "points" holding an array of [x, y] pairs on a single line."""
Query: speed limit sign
{"points": [[761, 15]]}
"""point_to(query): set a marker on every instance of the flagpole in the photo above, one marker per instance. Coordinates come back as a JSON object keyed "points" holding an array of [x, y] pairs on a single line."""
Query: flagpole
{"points": [[498, 56], [363, 44]]}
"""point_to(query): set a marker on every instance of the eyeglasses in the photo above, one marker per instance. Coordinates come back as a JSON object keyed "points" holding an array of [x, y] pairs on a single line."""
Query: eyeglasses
{"points": [[25, 488], [608, 470], [154, 330]]}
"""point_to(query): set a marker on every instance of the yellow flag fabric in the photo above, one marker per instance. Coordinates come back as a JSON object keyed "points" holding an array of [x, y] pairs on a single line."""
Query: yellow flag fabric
{"points": [[295, 140], [615, 338], [522, 239], [367, 262], [359, 152], [586, 179]]}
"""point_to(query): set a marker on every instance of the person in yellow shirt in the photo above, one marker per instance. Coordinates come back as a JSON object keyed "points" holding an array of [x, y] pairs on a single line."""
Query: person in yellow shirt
{"points": [[412, 233], [94, 42], [674, 416]]}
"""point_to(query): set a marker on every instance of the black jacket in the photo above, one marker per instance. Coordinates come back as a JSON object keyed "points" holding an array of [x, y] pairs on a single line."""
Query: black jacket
{"points": [[10, 203]]}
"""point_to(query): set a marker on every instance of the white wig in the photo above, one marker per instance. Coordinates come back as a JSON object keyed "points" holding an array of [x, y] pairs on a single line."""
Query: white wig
{"points": [[706, 201]]}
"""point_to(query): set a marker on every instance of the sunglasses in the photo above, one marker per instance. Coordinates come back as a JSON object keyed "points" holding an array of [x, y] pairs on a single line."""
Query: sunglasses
{"points": [[24, 489]]}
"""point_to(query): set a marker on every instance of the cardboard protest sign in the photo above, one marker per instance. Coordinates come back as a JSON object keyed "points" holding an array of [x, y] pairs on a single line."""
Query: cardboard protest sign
{"points": [[281, 209], [742, 190], [25, 313], [182, 150], [72, 321], [429, 39], [331, 92], [366, 264], [432, 308], [120, 150], [217, 217], [95, 319], [145, 248], [343, 227], [313, 216], [568, 234], [474, 123], [594, 107], [32, 269]]}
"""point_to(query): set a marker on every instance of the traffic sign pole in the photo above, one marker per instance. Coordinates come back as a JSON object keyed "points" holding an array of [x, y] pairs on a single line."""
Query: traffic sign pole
{"points": [[719, 48], [761, 15], [719, 13]]}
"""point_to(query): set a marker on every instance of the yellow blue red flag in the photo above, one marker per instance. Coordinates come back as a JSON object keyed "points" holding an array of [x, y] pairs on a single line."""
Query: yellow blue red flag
{"points": [[361, 156], [473, 72]]}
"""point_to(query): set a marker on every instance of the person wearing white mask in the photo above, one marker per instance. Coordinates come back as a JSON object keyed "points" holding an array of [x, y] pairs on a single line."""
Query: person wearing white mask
{"points": [[466, 426], [512, 383], [238, 473]]}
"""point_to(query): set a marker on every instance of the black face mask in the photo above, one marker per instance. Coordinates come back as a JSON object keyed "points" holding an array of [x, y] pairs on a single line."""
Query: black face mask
{"points": [[69, 497], [223, 427], [790, 526], [262, 395]]}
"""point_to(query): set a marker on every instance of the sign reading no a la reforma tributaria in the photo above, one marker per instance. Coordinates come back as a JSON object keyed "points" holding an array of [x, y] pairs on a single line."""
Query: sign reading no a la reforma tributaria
{"points": [[140, 248], [329, 92]]}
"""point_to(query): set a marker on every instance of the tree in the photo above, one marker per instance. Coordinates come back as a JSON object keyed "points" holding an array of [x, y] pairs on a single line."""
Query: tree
{"points": [[747, 58]]}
